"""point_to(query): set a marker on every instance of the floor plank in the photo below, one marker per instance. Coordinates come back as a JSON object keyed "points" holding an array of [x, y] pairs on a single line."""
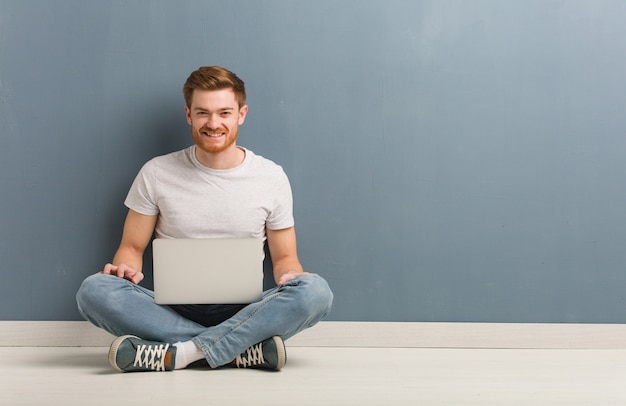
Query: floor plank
{"points": [[325, 376]]}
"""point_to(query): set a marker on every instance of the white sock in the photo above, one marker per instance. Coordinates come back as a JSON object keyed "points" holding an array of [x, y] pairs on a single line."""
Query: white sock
{"points": [[186, 353]]}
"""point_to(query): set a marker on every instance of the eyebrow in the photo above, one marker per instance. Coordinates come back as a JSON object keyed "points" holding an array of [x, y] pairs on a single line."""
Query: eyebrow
{"points": [[222, 109]]}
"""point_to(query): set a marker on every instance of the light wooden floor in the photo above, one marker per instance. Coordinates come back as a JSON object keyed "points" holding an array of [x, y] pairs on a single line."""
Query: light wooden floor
{"points": [[325, 376]]}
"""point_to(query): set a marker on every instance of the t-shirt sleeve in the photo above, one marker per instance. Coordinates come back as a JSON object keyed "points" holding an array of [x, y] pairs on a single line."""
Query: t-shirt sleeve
{"points": [[141, 196], [281, 215]]}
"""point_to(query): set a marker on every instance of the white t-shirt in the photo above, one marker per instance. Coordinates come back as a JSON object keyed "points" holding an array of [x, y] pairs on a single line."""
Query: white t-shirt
{"points": [[194, 201]]}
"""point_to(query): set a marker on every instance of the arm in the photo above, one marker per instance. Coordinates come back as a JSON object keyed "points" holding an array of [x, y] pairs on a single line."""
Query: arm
{"points": [[284, 253], [128, 260]]}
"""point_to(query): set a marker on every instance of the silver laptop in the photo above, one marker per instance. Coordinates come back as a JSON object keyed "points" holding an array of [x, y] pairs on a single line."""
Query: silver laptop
{"points": [[207, 271]]}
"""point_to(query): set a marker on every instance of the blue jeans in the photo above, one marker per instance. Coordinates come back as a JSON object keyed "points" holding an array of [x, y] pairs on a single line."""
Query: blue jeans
{"points": [[222, 332]]}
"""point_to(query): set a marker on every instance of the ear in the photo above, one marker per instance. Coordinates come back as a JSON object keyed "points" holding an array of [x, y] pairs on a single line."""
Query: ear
{"points": [[188, 114], [242, 114]]}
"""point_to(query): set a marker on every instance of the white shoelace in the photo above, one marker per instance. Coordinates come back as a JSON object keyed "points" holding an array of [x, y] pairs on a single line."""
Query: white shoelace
{"points": [[252, 356], [151, 356]]}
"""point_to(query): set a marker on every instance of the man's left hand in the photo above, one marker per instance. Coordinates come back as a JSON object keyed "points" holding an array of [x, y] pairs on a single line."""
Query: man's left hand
{"points": [[286, 277]]}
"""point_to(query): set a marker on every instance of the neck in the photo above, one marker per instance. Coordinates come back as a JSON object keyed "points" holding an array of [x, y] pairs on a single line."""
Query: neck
{"points": [[228, 159]]}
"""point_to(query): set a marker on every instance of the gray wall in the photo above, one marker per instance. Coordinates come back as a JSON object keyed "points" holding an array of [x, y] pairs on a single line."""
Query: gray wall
{"points": [[450, 160]]}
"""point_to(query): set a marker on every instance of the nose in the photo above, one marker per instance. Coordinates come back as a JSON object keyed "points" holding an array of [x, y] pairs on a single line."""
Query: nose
{"points": [[213, 122]]}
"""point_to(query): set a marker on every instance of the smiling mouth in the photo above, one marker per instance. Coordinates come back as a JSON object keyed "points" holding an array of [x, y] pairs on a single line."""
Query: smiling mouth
{"points": [[213, 135]]}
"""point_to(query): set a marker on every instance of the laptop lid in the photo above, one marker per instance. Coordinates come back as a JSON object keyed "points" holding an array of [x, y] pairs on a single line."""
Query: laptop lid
{"points": [[208, 271]]}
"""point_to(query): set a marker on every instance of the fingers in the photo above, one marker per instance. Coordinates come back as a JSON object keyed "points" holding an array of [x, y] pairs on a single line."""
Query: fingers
{"points": [[123, 271], [289, 276], [285, 278], [135, 278], [115, 270], [109, 269]]}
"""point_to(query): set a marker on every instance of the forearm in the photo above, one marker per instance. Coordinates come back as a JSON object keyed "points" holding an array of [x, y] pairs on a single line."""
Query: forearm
{"points": [[287, 266], [128, 260], [282, 245], [129, 256]]}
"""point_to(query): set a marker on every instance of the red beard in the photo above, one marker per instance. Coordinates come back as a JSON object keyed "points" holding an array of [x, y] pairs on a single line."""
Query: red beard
{"points": [[214, 146]]}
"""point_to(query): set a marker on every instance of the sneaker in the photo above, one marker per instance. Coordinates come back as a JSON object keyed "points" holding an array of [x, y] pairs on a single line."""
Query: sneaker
{"points": [[268, 354], [132, 354]]}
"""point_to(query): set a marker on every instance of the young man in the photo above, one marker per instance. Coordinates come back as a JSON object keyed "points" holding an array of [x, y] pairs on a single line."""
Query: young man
{"points": [[213, 189]]}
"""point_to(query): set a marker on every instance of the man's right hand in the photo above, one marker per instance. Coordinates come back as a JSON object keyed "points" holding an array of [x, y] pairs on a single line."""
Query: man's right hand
{"points": [[123, 271]]}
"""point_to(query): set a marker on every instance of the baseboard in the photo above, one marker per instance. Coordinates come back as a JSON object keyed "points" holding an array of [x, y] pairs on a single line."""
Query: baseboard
{"points": [[359, 334]]}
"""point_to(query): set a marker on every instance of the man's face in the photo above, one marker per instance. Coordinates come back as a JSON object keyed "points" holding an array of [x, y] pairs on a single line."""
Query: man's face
{"points": [[215, 118]]}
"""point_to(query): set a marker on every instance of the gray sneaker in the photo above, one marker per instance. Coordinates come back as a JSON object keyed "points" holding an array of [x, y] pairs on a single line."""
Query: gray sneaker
{"points": [[132, 354], [268, 354]]}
